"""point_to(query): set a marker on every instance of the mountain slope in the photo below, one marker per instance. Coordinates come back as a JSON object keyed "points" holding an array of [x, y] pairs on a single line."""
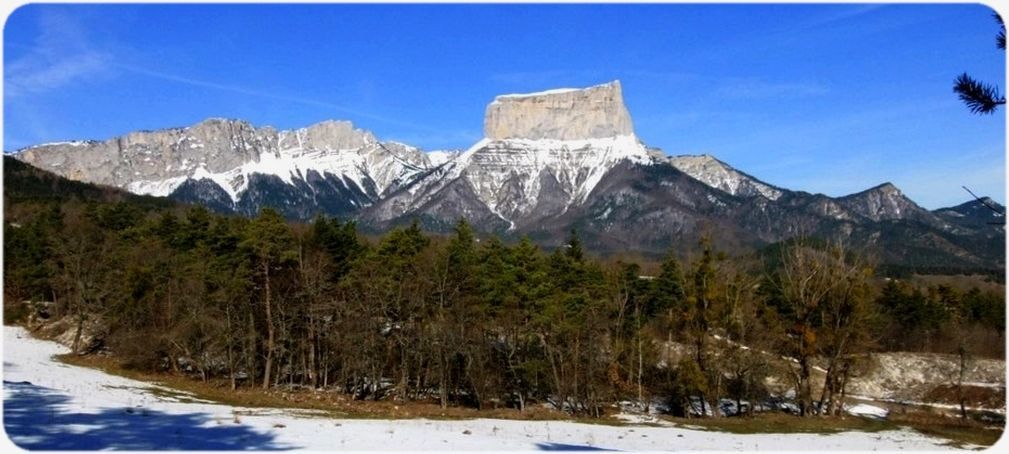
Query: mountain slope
{"points": [[975, 214], [718, 174], [542, 154], [330, 166], [886, 202], [27, 183], [549, 162], [649, 208]]}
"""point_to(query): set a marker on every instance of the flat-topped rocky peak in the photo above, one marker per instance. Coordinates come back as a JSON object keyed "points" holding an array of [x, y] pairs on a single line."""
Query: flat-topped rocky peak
{"points": [[560, 114]]}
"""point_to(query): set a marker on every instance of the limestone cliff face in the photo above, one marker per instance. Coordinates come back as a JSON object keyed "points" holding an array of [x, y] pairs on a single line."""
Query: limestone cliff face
{"points": [[217, 145], [327, 135], [565, 114], [230, 152], [542, 154]]}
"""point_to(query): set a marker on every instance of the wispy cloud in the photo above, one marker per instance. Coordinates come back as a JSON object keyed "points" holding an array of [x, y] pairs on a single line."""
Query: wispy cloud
{"points": [[261, 94], [850, 12], [61, 55]]}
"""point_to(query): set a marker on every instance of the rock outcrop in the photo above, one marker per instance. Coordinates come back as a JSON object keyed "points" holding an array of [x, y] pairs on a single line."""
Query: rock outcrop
{"points": [[217, 145], [542, 154], [230, 153], [564, 114], [886, 202], [717, 174]]}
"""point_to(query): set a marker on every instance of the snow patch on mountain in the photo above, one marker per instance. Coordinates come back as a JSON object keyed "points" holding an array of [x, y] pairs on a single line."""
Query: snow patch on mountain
{"points": [[293, 155], [554, 91], [440, 157], [720, 175], [508, 174]]}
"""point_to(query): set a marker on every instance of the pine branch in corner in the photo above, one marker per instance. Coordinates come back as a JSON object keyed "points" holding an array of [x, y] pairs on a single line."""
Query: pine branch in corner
{"points": [[980, 98]]}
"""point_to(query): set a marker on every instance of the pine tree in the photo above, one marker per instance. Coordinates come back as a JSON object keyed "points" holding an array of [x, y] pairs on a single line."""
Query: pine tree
{"points": [[271, 244]]}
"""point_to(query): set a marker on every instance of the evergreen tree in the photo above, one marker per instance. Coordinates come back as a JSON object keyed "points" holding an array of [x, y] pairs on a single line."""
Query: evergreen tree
{"points": [[268, 238], [574, 249]]}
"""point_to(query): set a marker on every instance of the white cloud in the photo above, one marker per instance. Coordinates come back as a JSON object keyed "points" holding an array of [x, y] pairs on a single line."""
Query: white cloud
{"points": [[60, 55]]}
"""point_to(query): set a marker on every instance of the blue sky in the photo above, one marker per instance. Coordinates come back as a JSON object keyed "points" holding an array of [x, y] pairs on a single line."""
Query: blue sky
{"points": [[821, 98]]}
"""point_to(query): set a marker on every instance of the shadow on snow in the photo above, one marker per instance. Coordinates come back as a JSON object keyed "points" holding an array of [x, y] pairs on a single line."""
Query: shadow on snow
{"points": [[37, 418], [567, 447]]}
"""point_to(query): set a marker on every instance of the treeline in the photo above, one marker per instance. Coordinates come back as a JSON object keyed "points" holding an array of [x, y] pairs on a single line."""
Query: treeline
{"points": [[462, 320], [940, 318]]}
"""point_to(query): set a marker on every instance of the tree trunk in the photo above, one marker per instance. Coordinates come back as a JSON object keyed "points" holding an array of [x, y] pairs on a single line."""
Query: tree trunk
{"points": [[843, 385], [268, 367], [959, 383], [313, 378], [443, 379], [404, 372], [77, 334], [553, 367], [805, 390], [637, 333], [827, 392]]}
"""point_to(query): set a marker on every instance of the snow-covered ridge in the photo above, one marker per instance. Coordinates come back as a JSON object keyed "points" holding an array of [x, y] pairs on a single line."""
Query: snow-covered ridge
{"points": [[229, 152], [440, 157], [555, 91], [541, 154], [509, 175], [69, 143], [712, 172], [538, 93]]}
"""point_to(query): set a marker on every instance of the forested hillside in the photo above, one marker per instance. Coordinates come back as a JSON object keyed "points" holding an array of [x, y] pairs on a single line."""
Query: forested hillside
{"points": [[457, 319]]}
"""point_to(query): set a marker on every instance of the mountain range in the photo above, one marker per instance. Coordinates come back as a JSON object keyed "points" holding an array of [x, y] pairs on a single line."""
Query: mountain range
{"points": [[549, 162]]}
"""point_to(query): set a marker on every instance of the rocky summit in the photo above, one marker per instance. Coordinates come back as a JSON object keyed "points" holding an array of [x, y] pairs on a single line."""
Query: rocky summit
{"points": [[232, 165], [562, 114], [550, 161], [542, 155]]}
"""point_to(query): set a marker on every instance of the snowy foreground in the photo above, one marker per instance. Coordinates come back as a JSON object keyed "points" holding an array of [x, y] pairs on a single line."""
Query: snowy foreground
{"points": [[50, 406]]}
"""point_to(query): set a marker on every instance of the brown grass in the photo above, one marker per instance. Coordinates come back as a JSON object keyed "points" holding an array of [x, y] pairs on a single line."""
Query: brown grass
{"points": [[328, 402], [974, 396], [959, 282], [336, 404], [784, 423], [960, 432]]}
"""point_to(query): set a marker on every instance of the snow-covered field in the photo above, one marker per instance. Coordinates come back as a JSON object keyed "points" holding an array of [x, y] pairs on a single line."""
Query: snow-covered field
{"points": [[48, 405]]}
